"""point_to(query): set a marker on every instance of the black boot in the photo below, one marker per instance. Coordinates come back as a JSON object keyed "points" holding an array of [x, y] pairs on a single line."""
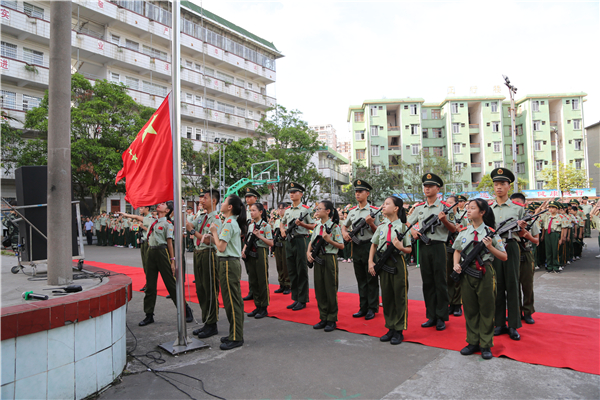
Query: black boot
{"points": [[209, 330], [280, 290], [148, 320], [189, 317]]}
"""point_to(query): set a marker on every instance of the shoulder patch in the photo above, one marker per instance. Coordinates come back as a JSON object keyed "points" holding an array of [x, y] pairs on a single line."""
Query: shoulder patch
{"points": [[352, 208], [229, 220], [420, 204], [170, 222], [460, 230], [376, 208], [287, 207], [444, 203], [490, 202], [518, 203], [491, 229], [305, 206]]}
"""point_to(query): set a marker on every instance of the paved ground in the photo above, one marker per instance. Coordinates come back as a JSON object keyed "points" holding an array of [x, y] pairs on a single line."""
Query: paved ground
{"points": [[282, 359]]}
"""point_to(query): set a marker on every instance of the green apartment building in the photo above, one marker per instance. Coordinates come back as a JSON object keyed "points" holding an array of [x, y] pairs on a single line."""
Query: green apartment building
{"points": [[473, 132]]}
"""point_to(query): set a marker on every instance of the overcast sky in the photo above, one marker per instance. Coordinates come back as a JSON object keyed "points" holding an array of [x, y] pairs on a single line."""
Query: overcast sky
{"points": [[341, 53]]}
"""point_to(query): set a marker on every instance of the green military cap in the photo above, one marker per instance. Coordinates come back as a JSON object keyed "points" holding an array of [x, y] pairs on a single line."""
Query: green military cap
{"points": [[502, 174], [554, 204], [584, 198], [432, 179], [462, 197], [295, 187], [574, 201], [532, 207], [249, 192], [360, 184]]}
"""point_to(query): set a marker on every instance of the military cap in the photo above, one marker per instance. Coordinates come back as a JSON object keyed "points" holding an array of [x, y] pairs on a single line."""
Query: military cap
{"points": [[502, 174], [554, 204], [360, 184], [250, 192], [574, 201], [532, 207], [462, 197], [432, 179], [584, 198], [295, 187]]}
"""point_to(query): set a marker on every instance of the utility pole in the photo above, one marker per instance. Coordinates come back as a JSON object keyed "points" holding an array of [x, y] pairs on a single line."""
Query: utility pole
{"points": [[512, 91], [60, 253]]}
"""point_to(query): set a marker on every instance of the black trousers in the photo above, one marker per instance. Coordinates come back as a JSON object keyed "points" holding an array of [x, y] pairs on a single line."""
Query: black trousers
{"points": [[88, 234]]}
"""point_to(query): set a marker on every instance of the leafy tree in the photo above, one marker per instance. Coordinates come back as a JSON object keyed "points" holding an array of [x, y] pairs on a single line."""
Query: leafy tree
{"points": [[487, 185], [104, 122], [570, 178]]}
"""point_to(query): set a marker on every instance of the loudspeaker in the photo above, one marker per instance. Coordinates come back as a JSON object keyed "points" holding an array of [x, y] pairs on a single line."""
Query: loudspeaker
{"points": [[32, 189]]}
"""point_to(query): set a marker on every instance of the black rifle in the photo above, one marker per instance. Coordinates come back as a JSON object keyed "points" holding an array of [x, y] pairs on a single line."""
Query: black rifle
{"points": [[430, 223], [388, 253], [278, 239], [290, 232], [359, 226], [251, 240], [529, 225], [452, 236], [318, 248]]}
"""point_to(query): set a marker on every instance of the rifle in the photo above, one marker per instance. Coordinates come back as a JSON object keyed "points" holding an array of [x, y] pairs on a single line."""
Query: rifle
{"points": [[389, 252], [291, 229], [452, 236], [318, 247], [430, 223], [278, 239], [360, 225], [474, 255], [251, 240]]}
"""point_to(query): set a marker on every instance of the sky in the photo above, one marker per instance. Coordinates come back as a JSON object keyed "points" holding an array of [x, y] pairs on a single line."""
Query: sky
{"points": [[338, 54]]}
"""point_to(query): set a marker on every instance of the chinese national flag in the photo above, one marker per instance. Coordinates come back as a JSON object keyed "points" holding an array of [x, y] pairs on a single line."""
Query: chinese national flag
{"points": [[148, 162]]}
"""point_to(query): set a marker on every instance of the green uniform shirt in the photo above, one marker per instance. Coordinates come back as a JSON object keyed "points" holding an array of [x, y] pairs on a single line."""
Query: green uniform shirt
{"points": [[556, 222], [464, 221], [264, 230], [103, 221], [292, 213], [581, 221], [357, 213], [231, 233], [535, 230], [380, 236], [422, 211], [97, 224], [336, 235], [566, 222], [161, 231], [211, 219], [586, 208], [505, 211], [147, 222], [467, 235]]}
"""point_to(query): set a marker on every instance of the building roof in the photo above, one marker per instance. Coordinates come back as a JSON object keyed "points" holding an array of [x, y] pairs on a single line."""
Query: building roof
{"points": [[384, 101], [550, 96], [593, 125], [334, 153], [222, 21]]}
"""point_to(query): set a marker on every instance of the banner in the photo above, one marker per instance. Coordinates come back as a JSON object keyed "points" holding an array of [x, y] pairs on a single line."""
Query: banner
{"points": [[579, 192]]}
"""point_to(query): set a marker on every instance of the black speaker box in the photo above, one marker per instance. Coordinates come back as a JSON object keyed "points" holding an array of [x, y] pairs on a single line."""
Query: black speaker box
{"points": [[32, 189]]}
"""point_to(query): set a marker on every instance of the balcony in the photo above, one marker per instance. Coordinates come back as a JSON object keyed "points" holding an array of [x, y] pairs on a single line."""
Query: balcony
{"points": [[475, 148], [475, 167], [473, 129], [23, 71], [393, 129], [553, 123], [394, 148], [339, 177]]}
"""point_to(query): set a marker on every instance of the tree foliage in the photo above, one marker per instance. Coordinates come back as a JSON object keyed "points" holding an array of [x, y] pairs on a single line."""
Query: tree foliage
{"points": [[569, 177]]}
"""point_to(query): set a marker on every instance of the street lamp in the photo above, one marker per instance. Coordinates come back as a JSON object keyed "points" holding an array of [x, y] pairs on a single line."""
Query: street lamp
{"points": [[512, 91]]}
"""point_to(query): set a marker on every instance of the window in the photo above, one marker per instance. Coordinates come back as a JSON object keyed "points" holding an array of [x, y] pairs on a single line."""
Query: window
{"points": [[495, 126], [437, 133], [154, 88], [537, 125], [494, 106], [578, 163], [519, 129], [132, 83], [455, 127], [359, 117], [417, 168], [249, 85], [376, 169], [240, 82], [374, 130], [539, 164], [535, 106], [497, 164], [454, 108], [9, 50], [497, 146], [198, 67], [210, 103], [413, 109], [577, 124], [375, 151], [458, 167], [359, 135], [33, 56], [435, 114], [438, 151], [373, 111], [424, 133], [423, 114], [198, 134], [115, 39], [114, 77], [414, 129], [538, 145], [575, 104], [539, 185], [225, 77], [520, 168], [10, 4], [240, 111], [9, 100], [33, 11], [198, 101], [131, 45], [577, 143], [456, 147], [154, 53], [30, 102], [360, 154], [188, 132], [415, 149]]}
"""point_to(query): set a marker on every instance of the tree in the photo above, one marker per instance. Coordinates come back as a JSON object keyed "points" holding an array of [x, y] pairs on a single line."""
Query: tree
{"points": [[104, 122], [570, 178], [487, 185]]}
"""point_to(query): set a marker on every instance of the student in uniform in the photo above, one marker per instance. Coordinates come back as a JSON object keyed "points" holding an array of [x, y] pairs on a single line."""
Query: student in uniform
{"points": [[229, 251], [586, 208], [257, 261], [251, 196], [146, 221], [479, 294], [552, 231], [161, 259], [433, 255], [295, 249], [327, 273], [206, 274], [279, 251], [368, 286], [394, 287], [455, 307]]}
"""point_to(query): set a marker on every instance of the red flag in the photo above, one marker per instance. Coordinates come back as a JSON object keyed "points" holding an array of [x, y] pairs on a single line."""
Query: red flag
{"points": [[148, 162]]}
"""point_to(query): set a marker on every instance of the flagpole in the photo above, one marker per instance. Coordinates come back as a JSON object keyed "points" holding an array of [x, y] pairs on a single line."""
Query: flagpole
{"points": [[182, 343]]}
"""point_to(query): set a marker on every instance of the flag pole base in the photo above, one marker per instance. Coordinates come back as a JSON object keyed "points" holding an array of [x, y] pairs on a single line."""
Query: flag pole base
{"points": [[174, 349]]}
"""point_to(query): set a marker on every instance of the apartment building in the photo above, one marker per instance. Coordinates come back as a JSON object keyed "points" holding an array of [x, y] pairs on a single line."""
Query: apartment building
{"points": [[345, 149], [593, 150], [225, 69], [473, 132], [327, 135]]}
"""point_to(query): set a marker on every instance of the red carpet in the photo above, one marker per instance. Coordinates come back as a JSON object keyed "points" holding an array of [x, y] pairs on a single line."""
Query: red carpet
{"points": [[555, 340]]}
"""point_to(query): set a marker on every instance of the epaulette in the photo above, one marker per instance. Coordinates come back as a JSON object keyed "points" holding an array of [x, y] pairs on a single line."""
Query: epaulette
{"points": [[229, 220], [420, 204], [305, 206], [444, 203], [490, 202], [352, 208], [460, 230], [287, 207], [517, 203], [376, 208], [492, 229], [169, 221]]}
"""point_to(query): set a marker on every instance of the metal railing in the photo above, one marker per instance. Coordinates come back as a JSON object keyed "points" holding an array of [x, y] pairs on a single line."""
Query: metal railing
{"points": [[553, 123], [393, 128], [473, 126], [475, 145]]}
